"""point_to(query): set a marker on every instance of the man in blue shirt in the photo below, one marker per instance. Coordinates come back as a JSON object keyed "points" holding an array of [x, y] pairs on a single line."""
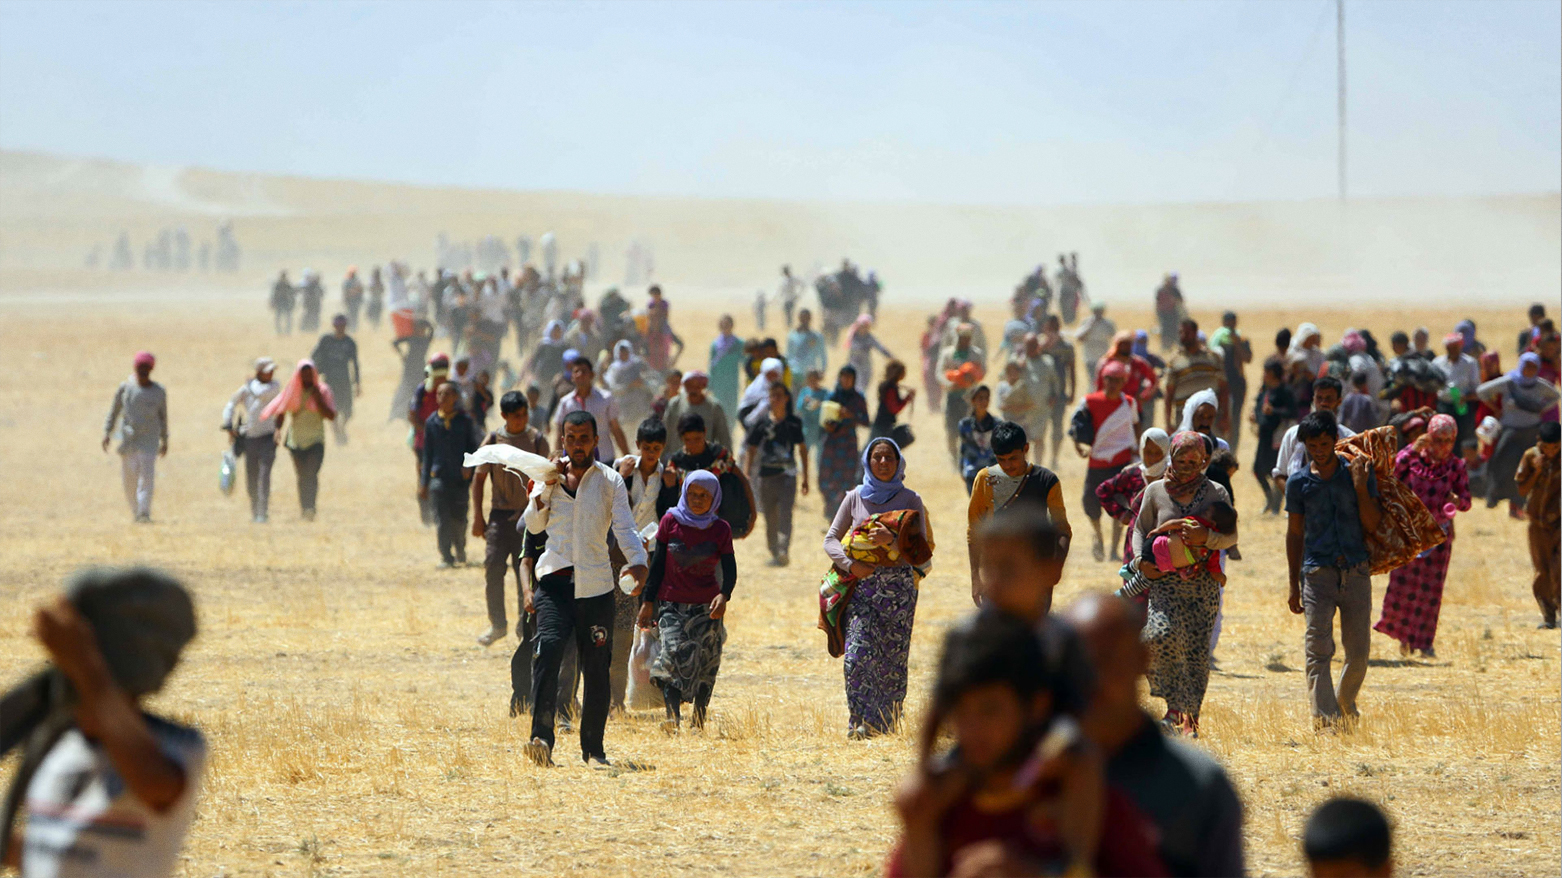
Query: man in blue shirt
{"points": [[1333, 506]]}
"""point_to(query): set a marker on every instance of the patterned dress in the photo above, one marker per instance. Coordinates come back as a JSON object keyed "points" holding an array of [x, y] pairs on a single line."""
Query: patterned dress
{"points": [[878, 646], [840, 467], [1415, 591]]}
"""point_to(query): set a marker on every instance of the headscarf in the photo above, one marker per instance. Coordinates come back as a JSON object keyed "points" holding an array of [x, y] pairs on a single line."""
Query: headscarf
{"points": [[1466, 329], [1491, 365], [144, 358], [842, 395], [1122, 337], [1141, 343], [1353, 342], [758, 390], [1202, 398], [438, 367], [862, 324], [1528, 358], [552, 327], [684, 515], [874, 490], [1189, 458], [1302, 334], [570, 356], [293, 399], [622, 372], [1158, 437]]}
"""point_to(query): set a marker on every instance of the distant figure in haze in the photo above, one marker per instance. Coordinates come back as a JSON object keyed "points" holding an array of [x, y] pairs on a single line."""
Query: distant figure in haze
{"points": [[376, 298], [523, 249], [861, 343], [726, 364], [1071, 290], [140, 408], [790, 291], [413, 350], [256, 436], [1094, 336], [311, 295], [1236, 351], [300, 411], [1169, 310], [124, 258], [336, 355], [1348, 838], [550, 255], [181, 257], [759, 309], [352, 296], [805, 349], [283, 295]]}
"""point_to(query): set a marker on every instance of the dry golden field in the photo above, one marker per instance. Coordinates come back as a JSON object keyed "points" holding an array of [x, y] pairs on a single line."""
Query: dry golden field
{"points": [[357, 728]]}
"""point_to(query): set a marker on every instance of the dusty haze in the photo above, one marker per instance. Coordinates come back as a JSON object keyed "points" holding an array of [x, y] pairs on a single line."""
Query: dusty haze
{"points": [[1500, 249]]}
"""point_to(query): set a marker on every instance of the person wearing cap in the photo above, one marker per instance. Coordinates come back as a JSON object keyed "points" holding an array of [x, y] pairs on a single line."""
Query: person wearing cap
{"points": [[140, 410], [692, 397], [336, 356], [255, 436], [112, 791]]}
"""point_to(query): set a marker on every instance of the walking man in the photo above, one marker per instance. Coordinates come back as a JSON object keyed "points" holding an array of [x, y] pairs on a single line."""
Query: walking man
{"points": [[336, 356], [255, 436], [694, 398], [448, 437], [1332, 506], [501, 530], [141, 409], [572, 596], [588, 398]]}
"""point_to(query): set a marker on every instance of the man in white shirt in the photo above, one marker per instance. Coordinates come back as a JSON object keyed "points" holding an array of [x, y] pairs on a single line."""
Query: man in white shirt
{"points": [[572, 595], [254, 439], [1464, 376], [114, 794], [586, 397], [1327, 394]]}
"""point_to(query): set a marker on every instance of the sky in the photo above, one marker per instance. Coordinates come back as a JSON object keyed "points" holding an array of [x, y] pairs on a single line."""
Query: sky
{"points": [[973, 103]]}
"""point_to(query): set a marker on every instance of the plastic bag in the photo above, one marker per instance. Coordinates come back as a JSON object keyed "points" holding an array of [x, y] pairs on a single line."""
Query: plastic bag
{"points": [[532, 466], [642, 693], [227, 473]]}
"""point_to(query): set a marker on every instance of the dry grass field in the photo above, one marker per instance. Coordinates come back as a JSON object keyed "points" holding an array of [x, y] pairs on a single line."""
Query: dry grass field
{"points": [[357, 729]]}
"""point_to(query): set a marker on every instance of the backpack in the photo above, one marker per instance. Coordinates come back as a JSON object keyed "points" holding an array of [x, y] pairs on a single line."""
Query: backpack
{"points": [[1081, 426]]}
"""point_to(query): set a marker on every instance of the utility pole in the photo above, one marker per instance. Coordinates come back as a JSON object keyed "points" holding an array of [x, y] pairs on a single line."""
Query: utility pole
{"points": [[1339, 19]]}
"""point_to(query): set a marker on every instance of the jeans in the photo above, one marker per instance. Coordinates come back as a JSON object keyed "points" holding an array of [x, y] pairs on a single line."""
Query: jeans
{"points": [[139, 471], [260, 453], [1348, 590], [306, 463], [502, 553], [449, 500], [777, 494], [562, 617]]}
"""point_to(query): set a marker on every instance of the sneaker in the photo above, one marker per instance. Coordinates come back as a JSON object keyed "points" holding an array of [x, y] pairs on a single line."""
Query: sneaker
{"points": [[1234, 553], [309, 515], [493, 634], [446, 565], [539, 752]]}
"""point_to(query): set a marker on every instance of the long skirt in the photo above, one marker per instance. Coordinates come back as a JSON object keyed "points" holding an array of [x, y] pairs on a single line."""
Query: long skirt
{"points": [[840, 470], [878, 646], [691, 648], [1178, 624], [1415, 597], [1504, 462]]}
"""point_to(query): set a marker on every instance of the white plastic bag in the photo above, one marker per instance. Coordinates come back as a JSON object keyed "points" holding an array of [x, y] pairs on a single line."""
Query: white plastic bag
{"points": [[643, 694], [533, 466], [227, 474]]}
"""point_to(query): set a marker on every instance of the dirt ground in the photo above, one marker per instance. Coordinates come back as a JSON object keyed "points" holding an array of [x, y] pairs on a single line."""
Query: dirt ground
{"points": [[357, 729]]}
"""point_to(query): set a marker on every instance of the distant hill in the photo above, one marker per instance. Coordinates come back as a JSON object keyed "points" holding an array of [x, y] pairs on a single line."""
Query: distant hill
{"points": [[54, 210]]}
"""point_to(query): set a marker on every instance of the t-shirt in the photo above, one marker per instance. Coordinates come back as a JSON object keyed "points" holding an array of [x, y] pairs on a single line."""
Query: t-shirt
{"points": [[1187, 374], [693, 555], [1332, 531], [305, 428], [602, 407], [976, 444], [509, 487], [775, 441], [82, 820]]}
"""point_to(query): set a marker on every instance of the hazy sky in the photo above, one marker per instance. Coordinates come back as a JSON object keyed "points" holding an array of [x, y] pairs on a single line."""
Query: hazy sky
{"points": [[1051, 102]]}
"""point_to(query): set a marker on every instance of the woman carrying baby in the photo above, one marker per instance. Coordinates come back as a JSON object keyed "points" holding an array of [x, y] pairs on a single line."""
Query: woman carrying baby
{"points": [[1183, 604], [884, 604]]}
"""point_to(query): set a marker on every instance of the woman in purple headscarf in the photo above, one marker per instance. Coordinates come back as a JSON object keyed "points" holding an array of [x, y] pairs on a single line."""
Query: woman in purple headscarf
{"points": [[685, 597], [884, 603]]}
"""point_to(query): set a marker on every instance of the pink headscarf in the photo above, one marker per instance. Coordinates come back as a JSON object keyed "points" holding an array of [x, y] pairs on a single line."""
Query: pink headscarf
{"points": [[1352, 341], [862, 323], [292, 397]]}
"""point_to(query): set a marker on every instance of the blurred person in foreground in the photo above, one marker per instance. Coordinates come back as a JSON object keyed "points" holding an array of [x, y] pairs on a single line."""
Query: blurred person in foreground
{"points": [[1537, 479], [1186, 793], [254, 435], [1022, 791], [140, 409], [572, 595], [109, 789], [1332, 506], [1013, 482], [1348, 838], [501, 529]]}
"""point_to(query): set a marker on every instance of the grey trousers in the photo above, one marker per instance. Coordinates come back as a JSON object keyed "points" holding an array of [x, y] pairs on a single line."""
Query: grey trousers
{"points": [[1348, 591], [777, 494], [260, 453]]}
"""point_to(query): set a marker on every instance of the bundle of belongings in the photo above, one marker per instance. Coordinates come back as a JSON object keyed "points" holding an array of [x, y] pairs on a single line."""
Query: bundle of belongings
{"points": [[835, 591], [1406, 528]]}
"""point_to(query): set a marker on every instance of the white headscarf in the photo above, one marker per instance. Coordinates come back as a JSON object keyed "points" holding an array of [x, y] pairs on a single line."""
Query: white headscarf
{"points": [[1158, 437], [1202, 398], [1303, 333], [758, 390]]}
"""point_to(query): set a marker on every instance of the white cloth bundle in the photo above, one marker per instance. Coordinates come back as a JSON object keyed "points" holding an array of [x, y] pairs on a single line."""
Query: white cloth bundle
{"points": [[532, 466]]}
